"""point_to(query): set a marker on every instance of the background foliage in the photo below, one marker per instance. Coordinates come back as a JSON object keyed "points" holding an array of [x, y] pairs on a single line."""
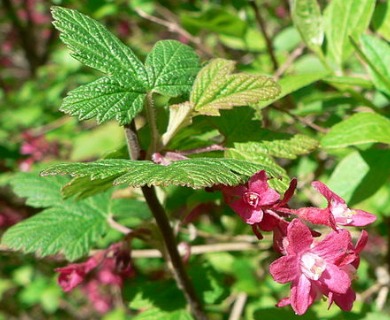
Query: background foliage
{"points": [[330, 123]]}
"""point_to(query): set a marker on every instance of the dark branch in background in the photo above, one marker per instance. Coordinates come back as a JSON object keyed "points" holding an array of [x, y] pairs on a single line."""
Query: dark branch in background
{"points": [[179, 272], [263, 28], [27, 37]]}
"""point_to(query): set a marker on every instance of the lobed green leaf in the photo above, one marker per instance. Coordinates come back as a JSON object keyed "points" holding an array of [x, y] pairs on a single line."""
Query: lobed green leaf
{"points": [[40, 192], [252, 151], [95, 46], [360, 128], [194, 173], [171, 67], [106, 98], [217, 88], [71, 228], [298, 144]]}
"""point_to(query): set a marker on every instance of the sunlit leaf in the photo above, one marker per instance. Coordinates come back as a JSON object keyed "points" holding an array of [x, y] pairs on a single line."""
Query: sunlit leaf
{"points": [[345, 18], [216, 87], [307, 18], [358, 129], [172, 67], [377, 54]]}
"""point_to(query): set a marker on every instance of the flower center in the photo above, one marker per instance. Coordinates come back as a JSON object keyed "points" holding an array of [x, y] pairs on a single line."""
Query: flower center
{"points": [[342, 213], [252, 198], [312, 266]]}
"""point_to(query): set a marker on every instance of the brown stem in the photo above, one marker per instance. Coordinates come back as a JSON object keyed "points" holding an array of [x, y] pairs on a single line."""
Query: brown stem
{"points": [[179, 272], [181, 276], [263, 28], [387, 221]]}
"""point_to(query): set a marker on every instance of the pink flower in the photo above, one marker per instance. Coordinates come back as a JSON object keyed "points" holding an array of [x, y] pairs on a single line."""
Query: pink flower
{"points": [[72, 275], [101, 301], [349, 265], [312, 268], [336, 213], [250, 200]]}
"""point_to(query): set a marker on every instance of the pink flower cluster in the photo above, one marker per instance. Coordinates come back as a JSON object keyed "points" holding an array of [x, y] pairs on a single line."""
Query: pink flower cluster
{"points": [[314, 268], [110, 267]]}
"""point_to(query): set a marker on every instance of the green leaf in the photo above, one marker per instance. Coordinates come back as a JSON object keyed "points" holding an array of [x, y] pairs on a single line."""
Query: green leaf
{"points": [[95, 46], [160, 314], [293, 83], [194, 173], [216, 19], [83, 187], [381, 19], [163, 295], [170, 70], [349, 81], [360, 174], [360, 128], [40, 192], [71, 228], [307, 18], [298, 144], [377, 56], [345, 18], [172, 67], [106, 98], [208, 283], [217, 88], [252, 151]]}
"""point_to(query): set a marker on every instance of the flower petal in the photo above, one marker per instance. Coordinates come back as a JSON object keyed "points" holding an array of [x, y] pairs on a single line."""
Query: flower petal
{"points": [[362, 218], [344, 301], [327, 193], [334, 246], [289, 193], [299, 237], [301, 295], [246, 212], [285, 269], [317, 216], [335, 279], [258, 184]]}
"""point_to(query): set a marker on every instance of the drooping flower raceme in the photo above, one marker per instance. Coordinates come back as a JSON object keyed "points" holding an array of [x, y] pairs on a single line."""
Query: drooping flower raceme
{"points": [[336, 213], [314, 268]]}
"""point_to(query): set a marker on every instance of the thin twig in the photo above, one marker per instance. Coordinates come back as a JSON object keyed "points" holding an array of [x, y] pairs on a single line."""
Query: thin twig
{"points": [[263, 29], [199, 249], [301, 119], [238, 306], [175, 27], [291, 58], [117, 226]]}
